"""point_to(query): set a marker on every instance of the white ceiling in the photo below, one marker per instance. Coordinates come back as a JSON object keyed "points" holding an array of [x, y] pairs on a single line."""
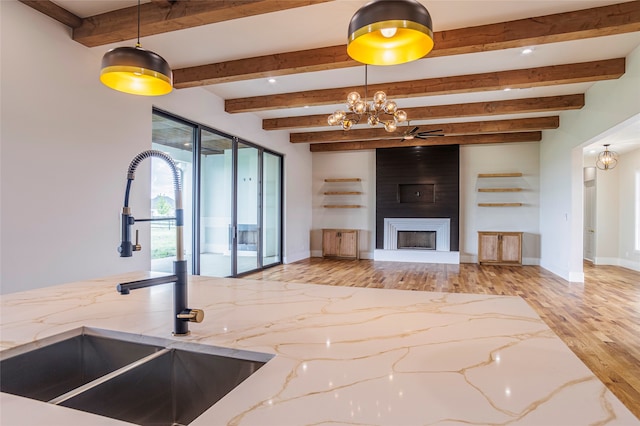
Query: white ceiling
{"points": [[326, 25]]}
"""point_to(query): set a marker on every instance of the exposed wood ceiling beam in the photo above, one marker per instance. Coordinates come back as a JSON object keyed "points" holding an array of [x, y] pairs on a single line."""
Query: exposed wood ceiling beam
{"points": [[445, 140], [54, 11], [159, 17], [449, 129], [523, 78], [515, 106], [595, 22]]}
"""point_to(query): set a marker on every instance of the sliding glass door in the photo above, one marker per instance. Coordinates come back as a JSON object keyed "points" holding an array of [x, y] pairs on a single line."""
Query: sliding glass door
{"points": [[271, 209], [216, 205], [248, 196], [232, 198]]}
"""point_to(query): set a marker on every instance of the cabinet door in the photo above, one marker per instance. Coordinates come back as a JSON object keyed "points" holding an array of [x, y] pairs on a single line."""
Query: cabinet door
{"points": [[330, 242], [488, 247], [348, 244], [511, 248]]}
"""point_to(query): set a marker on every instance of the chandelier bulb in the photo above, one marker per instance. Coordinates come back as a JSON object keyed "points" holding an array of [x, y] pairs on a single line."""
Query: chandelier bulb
{"points": [[352, 98], [400, 116], [379, 97], [346, 124], [390, 126], [360, 107], [390, 107]]}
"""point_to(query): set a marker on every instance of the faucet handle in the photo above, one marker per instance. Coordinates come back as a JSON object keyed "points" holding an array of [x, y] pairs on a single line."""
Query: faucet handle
{"points": [[137, 246], [192, 315]]}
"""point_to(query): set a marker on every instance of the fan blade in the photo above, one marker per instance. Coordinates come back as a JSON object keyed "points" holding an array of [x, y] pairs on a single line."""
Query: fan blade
{"points": [[427, 132], [415, 129]]}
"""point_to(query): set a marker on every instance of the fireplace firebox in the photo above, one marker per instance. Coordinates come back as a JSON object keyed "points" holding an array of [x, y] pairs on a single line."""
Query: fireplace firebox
{"points": [[417, 240]]}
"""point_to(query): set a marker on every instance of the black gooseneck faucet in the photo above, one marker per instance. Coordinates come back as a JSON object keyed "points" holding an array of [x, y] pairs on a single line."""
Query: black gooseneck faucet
{"points": [[182, 314]]}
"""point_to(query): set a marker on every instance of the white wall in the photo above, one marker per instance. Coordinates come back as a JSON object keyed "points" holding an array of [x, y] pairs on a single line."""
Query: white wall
{"points": [[616, 225], [504, 158], [66, 143], [607, 213], [474, 159], [608, 103], [629, 211], [351, 164]]}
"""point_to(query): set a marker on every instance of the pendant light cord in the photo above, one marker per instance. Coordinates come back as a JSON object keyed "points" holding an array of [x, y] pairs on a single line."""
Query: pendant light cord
{"points": [[138, 43], [365, 82]]}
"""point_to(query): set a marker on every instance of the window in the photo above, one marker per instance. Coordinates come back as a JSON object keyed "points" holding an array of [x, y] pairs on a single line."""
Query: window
{"points": [[232, 200]]}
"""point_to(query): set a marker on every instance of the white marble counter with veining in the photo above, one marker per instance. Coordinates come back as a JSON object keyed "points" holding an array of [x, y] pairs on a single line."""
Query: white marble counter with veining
{"points": [[343, 355]]}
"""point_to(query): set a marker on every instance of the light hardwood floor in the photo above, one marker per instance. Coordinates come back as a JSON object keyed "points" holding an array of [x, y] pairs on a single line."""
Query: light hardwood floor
{"points": [[599, 320]]}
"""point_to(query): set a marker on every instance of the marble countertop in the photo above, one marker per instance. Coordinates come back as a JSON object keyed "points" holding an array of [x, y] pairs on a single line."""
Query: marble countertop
{"points": [[342, 355]]}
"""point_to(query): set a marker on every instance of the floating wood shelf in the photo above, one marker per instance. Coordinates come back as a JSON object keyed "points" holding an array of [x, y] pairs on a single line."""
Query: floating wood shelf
{"points": [[342, 193], [343, 180], [499, 189], [499, 204], [492, 175], [341, 206]]}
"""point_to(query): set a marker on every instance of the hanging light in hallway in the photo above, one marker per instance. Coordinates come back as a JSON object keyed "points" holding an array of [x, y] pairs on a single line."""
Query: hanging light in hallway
{"points": [[607, 160]]}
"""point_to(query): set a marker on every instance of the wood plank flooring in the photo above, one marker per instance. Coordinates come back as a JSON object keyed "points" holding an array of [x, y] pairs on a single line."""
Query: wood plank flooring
{"points": [[599, 320]]}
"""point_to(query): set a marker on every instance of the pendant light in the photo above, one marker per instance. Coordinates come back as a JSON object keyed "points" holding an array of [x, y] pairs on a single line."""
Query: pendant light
{"points": [[390, 32], [136, 71], [607, 160]]}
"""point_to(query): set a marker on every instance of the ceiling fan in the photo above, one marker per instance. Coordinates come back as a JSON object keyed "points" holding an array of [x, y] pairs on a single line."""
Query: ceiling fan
{"points": [[415, 134]]}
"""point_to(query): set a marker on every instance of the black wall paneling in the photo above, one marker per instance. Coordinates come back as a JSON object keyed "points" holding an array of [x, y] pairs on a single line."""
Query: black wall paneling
{"points": [[418, 182]]}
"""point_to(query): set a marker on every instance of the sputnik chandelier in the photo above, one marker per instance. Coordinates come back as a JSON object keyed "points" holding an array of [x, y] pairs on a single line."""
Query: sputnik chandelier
{"points": [[379, 110]]}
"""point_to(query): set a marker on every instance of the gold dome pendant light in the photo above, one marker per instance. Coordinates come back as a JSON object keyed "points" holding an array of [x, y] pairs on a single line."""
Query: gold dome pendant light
{"points": [[136, 71], [390, 32]]}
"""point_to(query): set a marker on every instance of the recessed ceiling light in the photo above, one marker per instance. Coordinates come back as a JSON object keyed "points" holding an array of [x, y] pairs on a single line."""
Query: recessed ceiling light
{"points": [[527, 51], [593, 151], [306, 106], [272, 80], [507, 89]]}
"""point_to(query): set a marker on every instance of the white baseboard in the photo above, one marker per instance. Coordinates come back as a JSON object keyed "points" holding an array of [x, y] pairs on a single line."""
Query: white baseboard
{"points": [[615, 261], [294, 257], [630, 264]]}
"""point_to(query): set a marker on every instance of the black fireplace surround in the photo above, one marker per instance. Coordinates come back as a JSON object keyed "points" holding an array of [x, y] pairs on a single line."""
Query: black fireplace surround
{"points": [[418, 182]]}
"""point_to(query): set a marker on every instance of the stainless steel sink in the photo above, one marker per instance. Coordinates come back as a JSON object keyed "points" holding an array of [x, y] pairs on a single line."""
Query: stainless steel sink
{"points": [[138, 379], [57, 365]]}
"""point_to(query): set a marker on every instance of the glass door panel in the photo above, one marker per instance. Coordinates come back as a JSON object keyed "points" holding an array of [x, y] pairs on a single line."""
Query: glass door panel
{"points": [[216, 202], [271, 211], [176, 139], [248, 208]]}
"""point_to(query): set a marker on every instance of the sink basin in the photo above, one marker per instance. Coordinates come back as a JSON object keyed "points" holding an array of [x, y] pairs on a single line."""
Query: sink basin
{"points": [[138, 379], [57, 367], [174, 388]]}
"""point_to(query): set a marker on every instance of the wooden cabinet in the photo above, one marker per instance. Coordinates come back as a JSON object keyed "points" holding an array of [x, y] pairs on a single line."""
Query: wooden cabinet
{"points": [[503, 248], [340, 243]]}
